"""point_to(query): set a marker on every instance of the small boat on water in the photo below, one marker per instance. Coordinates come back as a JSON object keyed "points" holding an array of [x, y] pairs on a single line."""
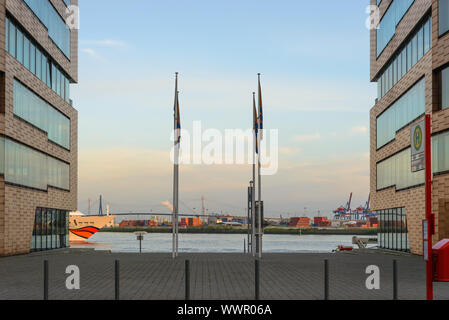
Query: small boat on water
{"points": [[344, 248], [82, 227]]}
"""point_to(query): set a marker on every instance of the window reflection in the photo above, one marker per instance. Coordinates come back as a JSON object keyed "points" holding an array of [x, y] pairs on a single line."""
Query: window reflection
{"points": [[392, 232], [50, 229], [39, 63]]}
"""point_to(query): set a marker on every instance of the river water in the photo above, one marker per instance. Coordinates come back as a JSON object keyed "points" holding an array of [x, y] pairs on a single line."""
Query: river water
{"points": [[162, 242]]}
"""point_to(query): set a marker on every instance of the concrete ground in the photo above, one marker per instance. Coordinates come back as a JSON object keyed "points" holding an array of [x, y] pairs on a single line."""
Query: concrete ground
{"points": [[155, 276]]}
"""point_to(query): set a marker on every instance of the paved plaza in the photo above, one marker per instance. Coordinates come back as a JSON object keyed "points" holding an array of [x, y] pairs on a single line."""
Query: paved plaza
{"points": [[156, 276]]}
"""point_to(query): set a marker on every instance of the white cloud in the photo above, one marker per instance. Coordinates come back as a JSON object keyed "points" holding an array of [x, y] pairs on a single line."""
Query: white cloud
{"points": [[91, 52], [105, 43], [359, 130], [307, 138], [289, 150]]}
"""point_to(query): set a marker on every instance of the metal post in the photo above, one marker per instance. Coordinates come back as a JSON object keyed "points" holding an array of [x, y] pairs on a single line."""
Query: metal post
{"points": [[45, 279], [187, 279], [395, 280], [244, 246], [326, 279], [257, 279], [430, 218], [140, 244], [117, 280]]}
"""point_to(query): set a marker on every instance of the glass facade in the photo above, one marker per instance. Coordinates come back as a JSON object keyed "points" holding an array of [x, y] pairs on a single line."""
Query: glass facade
{"points": [[33, 109], [443, 17], [23, 48], [401, 113], [51, 229], [392, 233], [24, 166], [440, 153], [50, 18], [389, 22], [408, 56], [396, 171]]}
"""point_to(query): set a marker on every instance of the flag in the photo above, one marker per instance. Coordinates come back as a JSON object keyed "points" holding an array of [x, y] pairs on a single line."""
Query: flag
{"points": [[260, 111], [177, 124], [255, 120], [177, 119]]}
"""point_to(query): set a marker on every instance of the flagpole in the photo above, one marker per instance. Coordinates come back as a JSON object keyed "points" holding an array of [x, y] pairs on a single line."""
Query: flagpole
{"points": [[175, 170], [177, 181], [259, 211], [253, 190]]}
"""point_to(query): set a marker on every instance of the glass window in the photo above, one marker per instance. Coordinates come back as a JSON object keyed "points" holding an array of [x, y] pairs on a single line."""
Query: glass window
{"points": [[414, 50], [420, 43], [67, 89], [44, 229], [44, 68], [35, 60], [406, 109], [395, 71], [395, 171], [427, 36], [39, 229], [30, 168], [440, 152], [26, 53], [53, 77], [12, 40], [445, 88], [38, 64], [32, 58], [47, 67], [30, 107], [443, 16], [7, 34], [54, 229], [404, 62], [19, 46], [62, 87], [58, 82], [57, 28], [49, 228], [409, 56], [389, 22]]}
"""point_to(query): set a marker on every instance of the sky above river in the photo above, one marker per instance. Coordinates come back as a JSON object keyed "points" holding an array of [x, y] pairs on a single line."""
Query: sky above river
{"points": [[314, 60]]}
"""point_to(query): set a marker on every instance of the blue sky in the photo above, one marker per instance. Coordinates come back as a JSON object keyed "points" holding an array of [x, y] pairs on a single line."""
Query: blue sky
{"points": [[314, 60]]}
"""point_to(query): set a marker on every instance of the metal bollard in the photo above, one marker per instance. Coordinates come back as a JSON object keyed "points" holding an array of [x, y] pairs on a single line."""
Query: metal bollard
{"points": [[244, 246], [187, 279], [257, 279], [326, 279], [45, 279], [395, 280], [117, 280]]}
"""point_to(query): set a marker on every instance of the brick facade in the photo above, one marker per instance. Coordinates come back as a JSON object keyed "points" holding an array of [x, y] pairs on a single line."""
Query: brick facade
{"points": [[18, 204], [412, 199]]}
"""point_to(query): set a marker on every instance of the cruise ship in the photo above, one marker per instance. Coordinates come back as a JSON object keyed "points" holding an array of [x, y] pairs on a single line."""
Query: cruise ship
{"points": [[82, 227]]}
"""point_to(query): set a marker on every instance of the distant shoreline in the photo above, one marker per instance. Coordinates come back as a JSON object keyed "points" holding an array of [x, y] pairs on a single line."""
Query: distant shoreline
{"points": [[234, 230]]}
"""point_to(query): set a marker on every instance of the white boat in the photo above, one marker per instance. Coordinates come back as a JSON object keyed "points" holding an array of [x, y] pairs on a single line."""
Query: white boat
{"points": [[82, 227]]}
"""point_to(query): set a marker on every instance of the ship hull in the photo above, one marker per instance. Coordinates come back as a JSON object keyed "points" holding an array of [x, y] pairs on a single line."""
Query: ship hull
{"points": [[81, 228]]}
